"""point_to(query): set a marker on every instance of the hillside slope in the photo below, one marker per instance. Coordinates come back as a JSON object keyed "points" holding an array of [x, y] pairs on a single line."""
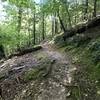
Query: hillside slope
{"points": [[84, 50]]}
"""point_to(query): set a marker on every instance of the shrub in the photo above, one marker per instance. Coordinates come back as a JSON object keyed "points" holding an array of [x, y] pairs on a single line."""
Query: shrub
{"points": [[94, 46], [96, 57], [78, 40], [58, 40]]}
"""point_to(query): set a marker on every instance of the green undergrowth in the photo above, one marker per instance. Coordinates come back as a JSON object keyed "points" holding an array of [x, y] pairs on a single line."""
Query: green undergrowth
{"points": [[85, 55]]}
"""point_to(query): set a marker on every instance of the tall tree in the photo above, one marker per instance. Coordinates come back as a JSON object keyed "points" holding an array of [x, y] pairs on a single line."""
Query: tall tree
{"points": [[65, 3], [43, 18], [54, 24], [34, 26], [86, 9], [95, 6], [61, 22], [19, 19], [43, 26]]}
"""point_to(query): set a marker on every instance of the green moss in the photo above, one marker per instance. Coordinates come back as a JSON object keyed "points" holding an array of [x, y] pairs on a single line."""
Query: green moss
{"points": [[76, 95], [32, 74]]}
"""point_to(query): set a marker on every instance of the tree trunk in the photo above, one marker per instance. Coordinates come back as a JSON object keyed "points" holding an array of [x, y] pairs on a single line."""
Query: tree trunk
{"points": [[70, 24], [95, 5], [43, 26], [56, 23], [34, 29], [52, 26], [19, 25], [61, 22], [86, 9], [28, 30], [2, 52], [69, 17], [19, 20]]}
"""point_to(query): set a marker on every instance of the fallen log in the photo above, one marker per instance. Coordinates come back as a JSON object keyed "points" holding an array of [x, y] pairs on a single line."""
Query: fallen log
{"points": [[25, 51], [88, 25], [82, 27]]}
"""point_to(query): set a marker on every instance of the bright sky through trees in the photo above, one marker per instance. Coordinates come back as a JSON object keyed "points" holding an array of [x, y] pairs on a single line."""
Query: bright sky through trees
{"points": [[2, 13], [37, 1]]}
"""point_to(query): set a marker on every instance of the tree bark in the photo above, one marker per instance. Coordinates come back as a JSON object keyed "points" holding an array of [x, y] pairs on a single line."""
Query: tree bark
{"points": [[25, 51], [2, 53], [85, 9], [56, 23], [65, 2], [61, 23], [19, 19], [94, 10], [83, 27], [19, 24], [43, 31], [34, 28], [52, 26]]}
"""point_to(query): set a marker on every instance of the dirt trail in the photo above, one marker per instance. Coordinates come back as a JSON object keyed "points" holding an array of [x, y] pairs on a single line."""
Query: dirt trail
{"points": [[53, 87]]}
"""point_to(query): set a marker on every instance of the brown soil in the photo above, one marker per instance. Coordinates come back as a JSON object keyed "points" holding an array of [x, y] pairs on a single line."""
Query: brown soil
{"points": [[56, 86]]}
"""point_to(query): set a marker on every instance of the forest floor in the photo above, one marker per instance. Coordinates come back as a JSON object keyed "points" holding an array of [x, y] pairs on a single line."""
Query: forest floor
{"points": [[46, 74]]}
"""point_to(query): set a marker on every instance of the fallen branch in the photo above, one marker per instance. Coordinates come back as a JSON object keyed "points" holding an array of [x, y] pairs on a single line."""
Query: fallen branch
{"points": [[25, 51]]}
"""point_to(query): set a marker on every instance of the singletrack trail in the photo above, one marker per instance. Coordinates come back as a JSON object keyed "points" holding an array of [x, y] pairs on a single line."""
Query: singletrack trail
{"points": [[55, 86]]}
